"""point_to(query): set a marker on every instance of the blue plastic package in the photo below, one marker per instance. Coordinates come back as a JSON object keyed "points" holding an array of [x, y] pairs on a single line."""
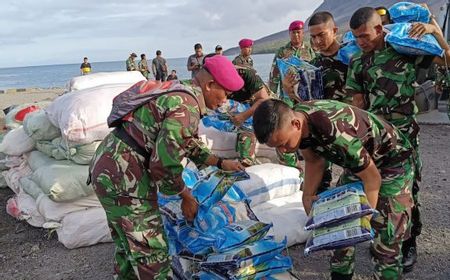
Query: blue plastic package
{"points": [[399, 39], [347, 51], [220, 118], [409, 12], [240, 233], [196, 242], [210, 220], [339, 204], [276, 265], [348, 37], [309, 77], [343, 235], [252, 254]]}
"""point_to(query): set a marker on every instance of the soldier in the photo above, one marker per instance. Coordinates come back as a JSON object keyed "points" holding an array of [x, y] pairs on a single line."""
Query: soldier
{"points": [[130, 63], [244, 59], [381, 81], [156, 127], [143, 66], [295, 47], [368, 148]]}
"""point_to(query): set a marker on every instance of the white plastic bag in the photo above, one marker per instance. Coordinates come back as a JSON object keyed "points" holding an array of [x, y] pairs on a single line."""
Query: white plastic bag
{"points": [[23, 207], [16, 142], [269, 181], [38, 126], [13, 176], [104, 78], [81, 115], [84, 228]]}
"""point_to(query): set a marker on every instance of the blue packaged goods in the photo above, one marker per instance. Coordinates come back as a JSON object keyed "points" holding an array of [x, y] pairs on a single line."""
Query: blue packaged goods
{"points": [[212, 219], [276, 265], [190, 177], [209, 275], [409, 12], [399, 39], [196, 242], [240, 233], [339, 204], [348, 37], [220, 119], [343, 235], [309, 77], [212, 189], [252, 254], [347, 51]]}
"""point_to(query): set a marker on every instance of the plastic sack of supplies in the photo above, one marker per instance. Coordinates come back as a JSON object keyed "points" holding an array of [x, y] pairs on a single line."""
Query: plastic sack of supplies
{"points": [[343, 235], [220, 118], [409, 12], [38, 126], [253, 254], [104, 78], [309, 77], [339, 204], [240, 233], [400, 40], [347, 51], [16, 142]]}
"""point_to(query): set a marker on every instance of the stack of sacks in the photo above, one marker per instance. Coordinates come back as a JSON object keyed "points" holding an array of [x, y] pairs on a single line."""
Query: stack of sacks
{"points": [[339, 218], [104, 78], [225, 241], [403, 14], [220, 135], [274, 192]]}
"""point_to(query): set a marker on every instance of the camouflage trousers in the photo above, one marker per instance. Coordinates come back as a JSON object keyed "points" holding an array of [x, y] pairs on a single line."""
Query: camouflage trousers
{"points": [[246, 145], [391, 226], [123, 186], [410, 128]]}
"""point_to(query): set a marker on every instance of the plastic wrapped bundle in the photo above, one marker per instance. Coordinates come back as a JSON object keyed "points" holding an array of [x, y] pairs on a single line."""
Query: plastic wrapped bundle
{"points": [[409, 12], [347, 51], [338, 205], [343, 235], [348, 37], [309, 77], [220, 118], [400, 40], [240, 233]]}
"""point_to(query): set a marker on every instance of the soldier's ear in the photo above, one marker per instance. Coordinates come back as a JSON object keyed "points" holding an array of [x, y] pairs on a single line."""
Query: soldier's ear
{"points": [[379, 29]]}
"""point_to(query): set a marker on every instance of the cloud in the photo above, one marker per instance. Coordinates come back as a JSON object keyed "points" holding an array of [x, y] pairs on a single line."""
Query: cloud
{"points": [[51, 31]]}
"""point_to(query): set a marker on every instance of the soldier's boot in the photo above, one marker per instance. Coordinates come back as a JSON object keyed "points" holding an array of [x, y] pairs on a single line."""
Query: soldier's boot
{"points": [[338, 276], [409, 250]]}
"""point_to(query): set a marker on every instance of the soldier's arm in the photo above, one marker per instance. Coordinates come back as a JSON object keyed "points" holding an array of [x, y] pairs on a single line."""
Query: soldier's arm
{"points": [[354, 84], [274, 76], [371, 179], [314, 169]]}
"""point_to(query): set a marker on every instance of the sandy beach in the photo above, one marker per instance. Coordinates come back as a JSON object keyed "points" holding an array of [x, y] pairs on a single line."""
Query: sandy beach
{"points": [[35, 253]]}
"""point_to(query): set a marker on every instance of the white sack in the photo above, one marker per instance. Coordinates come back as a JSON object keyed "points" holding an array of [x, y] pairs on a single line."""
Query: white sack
{"points": [[13, 176], [37, 125], [16, 142], [12, 122], [288, 220], [30, 187], [104, 78], [36, 159], [23, 207], [57, 149], [269, 181], [84, 228], [81, 115], [223, 144]]}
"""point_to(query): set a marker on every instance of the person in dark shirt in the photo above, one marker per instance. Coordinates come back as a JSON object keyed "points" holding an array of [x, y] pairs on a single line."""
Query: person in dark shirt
{"points": [[85, 67], [172, 76]]}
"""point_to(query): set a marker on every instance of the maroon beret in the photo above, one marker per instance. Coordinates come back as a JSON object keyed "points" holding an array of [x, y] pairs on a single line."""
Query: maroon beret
{"points": [[224, 72], [296, 25]]}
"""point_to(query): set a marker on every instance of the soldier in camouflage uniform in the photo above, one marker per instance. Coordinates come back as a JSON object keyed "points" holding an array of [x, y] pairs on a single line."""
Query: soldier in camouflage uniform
{"points": [[368, 148], [295, 47], [381, 81], [244, 59], [143, 156]]}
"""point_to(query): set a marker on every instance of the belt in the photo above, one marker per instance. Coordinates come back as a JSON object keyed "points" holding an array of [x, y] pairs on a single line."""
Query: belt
{"points": [[120, 133]]}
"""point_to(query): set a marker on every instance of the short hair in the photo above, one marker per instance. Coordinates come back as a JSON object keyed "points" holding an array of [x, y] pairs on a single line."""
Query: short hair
{"points": [[198, 46], [158, 52], [174, 70], [361, 16], [320, 17], [268, 117], [142, 55], [85, 57]]}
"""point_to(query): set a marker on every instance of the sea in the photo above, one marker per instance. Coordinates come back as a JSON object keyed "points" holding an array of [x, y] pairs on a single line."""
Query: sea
{"points": [[57, 76]]}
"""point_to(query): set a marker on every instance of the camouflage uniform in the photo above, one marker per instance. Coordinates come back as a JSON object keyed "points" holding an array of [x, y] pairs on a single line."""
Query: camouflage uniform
{"points": [[126, 182], [246, 140], [386, 79], [131, 64], [240, 60], [304, 52], [351, 137]]}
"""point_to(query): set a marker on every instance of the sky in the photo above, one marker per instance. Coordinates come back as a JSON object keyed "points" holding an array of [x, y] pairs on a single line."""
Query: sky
{"points": [[49, 32]]}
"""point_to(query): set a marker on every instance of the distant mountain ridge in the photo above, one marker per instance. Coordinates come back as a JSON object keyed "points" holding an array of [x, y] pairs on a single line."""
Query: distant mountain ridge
{"points": [[342, 14]]}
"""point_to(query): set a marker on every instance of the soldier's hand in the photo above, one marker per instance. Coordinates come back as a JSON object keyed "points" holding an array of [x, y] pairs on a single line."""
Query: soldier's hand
{"points": [[308, 201], [232, 165], [289, 83], [189, 205], [419, 29], [238, 119]]}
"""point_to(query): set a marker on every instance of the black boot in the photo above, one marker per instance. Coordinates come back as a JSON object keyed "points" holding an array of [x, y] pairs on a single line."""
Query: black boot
{"points": [[338, 276], [409, 251]]}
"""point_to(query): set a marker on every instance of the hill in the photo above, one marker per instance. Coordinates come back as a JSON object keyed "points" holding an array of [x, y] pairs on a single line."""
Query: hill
{"points": [[342, 11]]}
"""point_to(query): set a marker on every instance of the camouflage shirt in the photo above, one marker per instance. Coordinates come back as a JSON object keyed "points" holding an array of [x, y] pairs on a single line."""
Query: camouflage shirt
{"points": [[252, 84], [386, 78], [304, 52], [350, 137], [334, 74], [167, 128], [240, 60], [131, 64]]}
